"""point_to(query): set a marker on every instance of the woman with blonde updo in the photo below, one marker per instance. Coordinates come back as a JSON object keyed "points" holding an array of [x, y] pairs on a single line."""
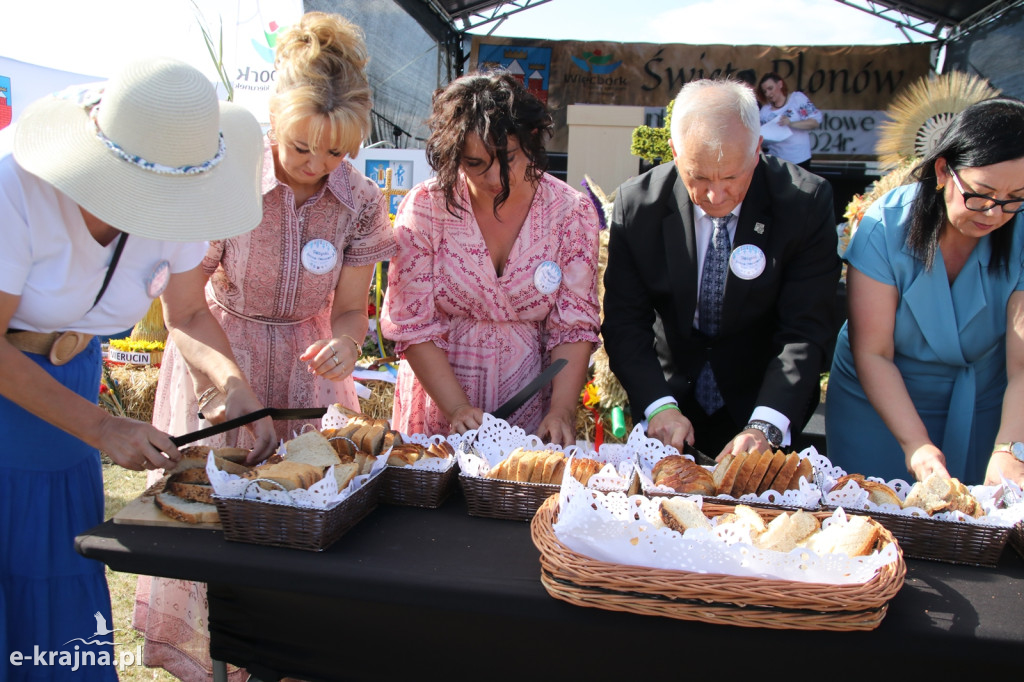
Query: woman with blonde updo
{"points": [[292, 294]]}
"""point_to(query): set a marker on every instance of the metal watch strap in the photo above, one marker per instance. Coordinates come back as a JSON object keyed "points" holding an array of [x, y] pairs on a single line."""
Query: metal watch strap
{"points": [[771, 432]]}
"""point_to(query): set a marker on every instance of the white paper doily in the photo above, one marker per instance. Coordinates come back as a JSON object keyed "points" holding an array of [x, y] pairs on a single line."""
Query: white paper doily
{"points": [[334, 419], [496, 439], [852, 496], [323, 494], [625, 530], [649, 451]]}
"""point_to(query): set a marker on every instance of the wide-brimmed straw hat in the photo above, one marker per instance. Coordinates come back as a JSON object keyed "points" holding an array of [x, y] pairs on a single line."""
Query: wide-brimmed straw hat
{"points": [[152, 152]]}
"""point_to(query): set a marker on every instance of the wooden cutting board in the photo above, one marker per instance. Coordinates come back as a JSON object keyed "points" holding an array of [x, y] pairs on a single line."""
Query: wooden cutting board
{"points": [[142, 511]]}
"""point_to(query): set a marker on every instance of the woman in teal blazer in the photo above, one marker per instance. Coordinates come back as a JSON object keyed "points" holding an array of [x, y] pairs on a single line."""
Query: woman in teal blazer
{"points": [[928, 373]]}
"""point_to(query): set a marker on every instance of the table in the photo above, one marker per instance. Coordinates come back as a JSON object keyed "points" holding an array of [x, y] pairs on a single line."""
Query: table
{"points": [[421, 592]]}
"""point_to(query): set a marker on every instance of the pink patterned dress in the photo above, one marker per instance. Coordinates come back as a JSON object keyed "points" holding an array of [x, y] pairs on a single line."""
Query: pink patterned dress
{"points": [[498, 332], [272, 307]]}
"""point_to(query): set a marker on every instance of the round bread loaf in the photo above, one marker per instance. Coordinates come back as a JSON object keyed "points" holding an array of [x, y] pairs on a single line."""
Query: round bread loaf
{"points": [[683, 475]]}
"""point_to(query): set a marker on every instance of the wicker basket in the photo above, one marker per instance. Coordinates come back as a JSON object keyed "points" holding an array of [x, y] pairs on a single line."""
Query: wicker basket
{"points": [[954, 542], [1017, 538], [499, 499], [269, 523], [712, 598], [417, 487]]}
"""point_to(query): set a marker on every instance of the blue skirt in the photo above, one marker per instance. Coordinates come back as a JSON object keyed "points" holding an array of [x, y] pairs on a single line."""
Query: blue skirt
{"points": [[54, 603]]}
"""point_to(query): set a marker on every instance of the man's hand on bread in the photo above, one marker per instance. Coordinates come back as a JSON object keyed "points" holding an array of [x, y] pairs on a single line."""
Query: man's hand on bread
{"points": [[925, 460], [135, 445], [671, 427], [750, 440], [1004, 465]]}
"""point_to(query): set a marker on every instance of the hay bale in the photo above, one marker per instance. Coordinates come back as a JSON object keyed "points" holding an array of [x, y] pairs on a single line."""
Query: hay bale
{"points": [[136, 388]]}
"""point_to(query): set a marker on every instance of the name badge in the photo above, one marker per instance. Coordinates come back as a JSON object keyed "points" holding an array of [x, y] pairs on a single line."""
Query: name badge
{"points": [[747, 261], [157, 280], [319, 256], [547, 277]]}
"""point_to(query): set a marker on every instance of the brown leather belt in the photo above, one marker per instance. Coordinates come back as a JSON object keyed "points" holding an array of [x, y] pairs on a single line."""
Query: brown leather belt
{"points": [[61, 347]]}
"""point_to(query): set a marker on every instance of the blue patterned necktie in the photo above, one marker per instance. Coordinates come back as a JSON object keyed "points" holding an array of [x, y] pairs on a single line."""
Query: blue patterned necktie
{"points": [[712, 289]]}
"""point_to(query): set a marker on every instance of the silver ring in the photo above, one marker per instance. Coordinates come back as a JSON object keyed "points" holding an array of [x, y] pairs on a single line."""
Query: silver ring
{"points": [[337, 362]]}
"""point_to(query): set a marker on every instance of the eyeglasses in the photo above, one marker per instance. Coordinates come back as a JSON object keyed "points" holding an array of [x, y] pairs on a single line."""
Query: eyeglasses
{"points": [[982, 203]]}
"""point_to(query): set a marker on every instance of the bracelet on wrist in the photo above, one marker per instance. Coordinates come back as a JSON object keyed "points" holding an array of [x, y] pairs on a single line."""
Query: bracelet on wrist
{"points": [[359, 346], [207, 396], [662, 408]]}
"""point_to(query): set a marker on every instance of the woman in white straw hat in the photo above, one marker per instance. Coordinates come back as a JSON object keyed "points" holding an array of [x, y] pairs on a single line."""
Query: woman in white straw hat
{"points": [[107, 194], [292, 294]]}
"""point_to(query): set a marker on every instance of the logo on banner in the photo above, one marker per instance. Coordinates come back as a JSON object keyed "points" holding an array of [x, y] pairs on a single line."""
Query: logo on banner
{"points": [[84, 655], [596, 62], [266, 50]]}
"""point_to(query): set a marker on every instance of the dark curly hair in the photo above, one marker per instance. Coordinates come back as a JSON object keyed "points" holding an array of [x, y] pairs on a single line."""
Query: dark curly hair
{"points": [[985, 133], [495, 106]]}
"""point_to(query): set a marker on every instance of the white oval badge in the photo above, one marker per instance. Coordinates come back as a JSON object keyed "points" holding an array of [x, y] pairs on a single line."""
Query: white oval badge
{"points": [[157, 280], [747, 261], [319, 256], [547, 277]]}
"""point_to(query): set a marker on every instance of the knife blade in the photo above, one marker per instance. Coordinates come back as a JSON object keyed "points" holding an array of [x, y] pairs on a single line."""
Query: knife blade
{"points": [[506, 409], [272, 412], [698, 456]]}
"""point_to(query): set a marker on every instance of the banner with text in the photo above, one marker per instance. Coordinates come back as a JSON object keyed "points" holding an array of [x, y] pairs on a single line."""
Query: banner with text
{"points": [[853, 85]]}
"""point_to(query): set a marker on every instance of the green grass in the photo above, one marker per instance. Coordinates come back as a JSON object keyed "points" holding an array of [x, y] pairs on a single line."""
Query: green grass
{"points": [[121, 486]]}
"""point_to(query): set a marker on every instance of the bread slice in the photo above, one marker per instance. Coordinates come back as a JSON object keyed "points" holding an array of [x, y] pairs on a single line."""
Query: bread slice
{"points": [[558, 471], [548, 470], [441, 449], [344, 473], [312, 448], [718, 473], [730, 474], [778, 459], [785, 474], [524, 469], [856, 537], [371, 438], [404, 455], [804, 469], [186, 511], [751, 518], [681, 514], [584, 468], [193, 492], [932, 494], [537, 475], [289, 474], [880, 493], [739, 485], [236, 455], [190, 476], [764, 460], [786, 531], [364, 461]]}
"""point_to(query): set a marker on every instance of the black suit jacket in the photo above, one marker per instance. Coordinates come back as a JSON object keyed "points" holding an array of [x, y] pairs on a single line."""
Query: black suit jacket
{"points": [[776, 329]]}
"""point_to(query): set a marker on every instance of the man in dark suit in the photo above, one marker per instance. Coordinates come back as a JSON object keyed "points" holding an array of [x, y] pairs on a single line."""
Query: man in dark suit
{"points": [[723, 370]]}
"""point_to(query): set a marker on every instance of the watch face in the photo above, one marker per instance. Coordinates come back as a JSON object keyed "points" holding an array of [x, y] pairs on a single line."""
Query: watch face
{"points": [[1017, 450]]}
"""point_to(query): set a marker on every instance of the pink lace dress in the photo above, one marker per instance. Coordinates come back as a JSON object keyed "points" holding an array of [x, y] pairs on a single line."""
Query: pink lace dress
{"points": [[272, 306], [497, 332]]}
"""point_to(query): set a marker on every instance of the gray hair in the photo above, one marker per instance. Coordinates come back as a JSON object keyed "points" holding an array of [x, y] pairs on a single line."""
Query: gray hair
{"points": [[708, 106]]}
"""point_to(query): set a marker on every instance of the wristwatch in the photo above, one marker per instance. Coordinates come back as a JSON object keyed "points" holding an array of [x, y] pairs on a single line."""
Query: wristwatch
{"points": [[1015, 448], [772, 432]]}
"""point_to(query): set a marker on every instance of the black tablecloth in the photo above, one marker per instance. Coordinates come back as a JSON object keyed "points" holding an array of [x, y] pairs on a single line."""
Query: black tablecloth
{"points": [[422, 592]]}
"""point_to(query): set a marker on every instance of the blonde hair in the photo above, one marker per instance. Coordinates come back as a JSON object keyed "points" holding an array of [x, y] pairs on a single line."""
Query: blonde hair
{"points": [[321, 76]]}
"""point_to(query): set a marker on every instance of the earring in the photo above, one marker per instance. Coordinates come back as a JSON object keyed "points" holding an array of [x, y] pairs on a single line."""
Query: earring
{"points": [[939, 187], [271, 136]]}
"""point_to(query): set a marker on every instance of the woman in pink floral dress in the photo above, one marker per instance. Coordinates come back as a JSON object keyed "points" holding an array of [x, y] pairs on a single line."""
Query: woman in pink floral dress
{"points": [[291, 295], [496, 270]]}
